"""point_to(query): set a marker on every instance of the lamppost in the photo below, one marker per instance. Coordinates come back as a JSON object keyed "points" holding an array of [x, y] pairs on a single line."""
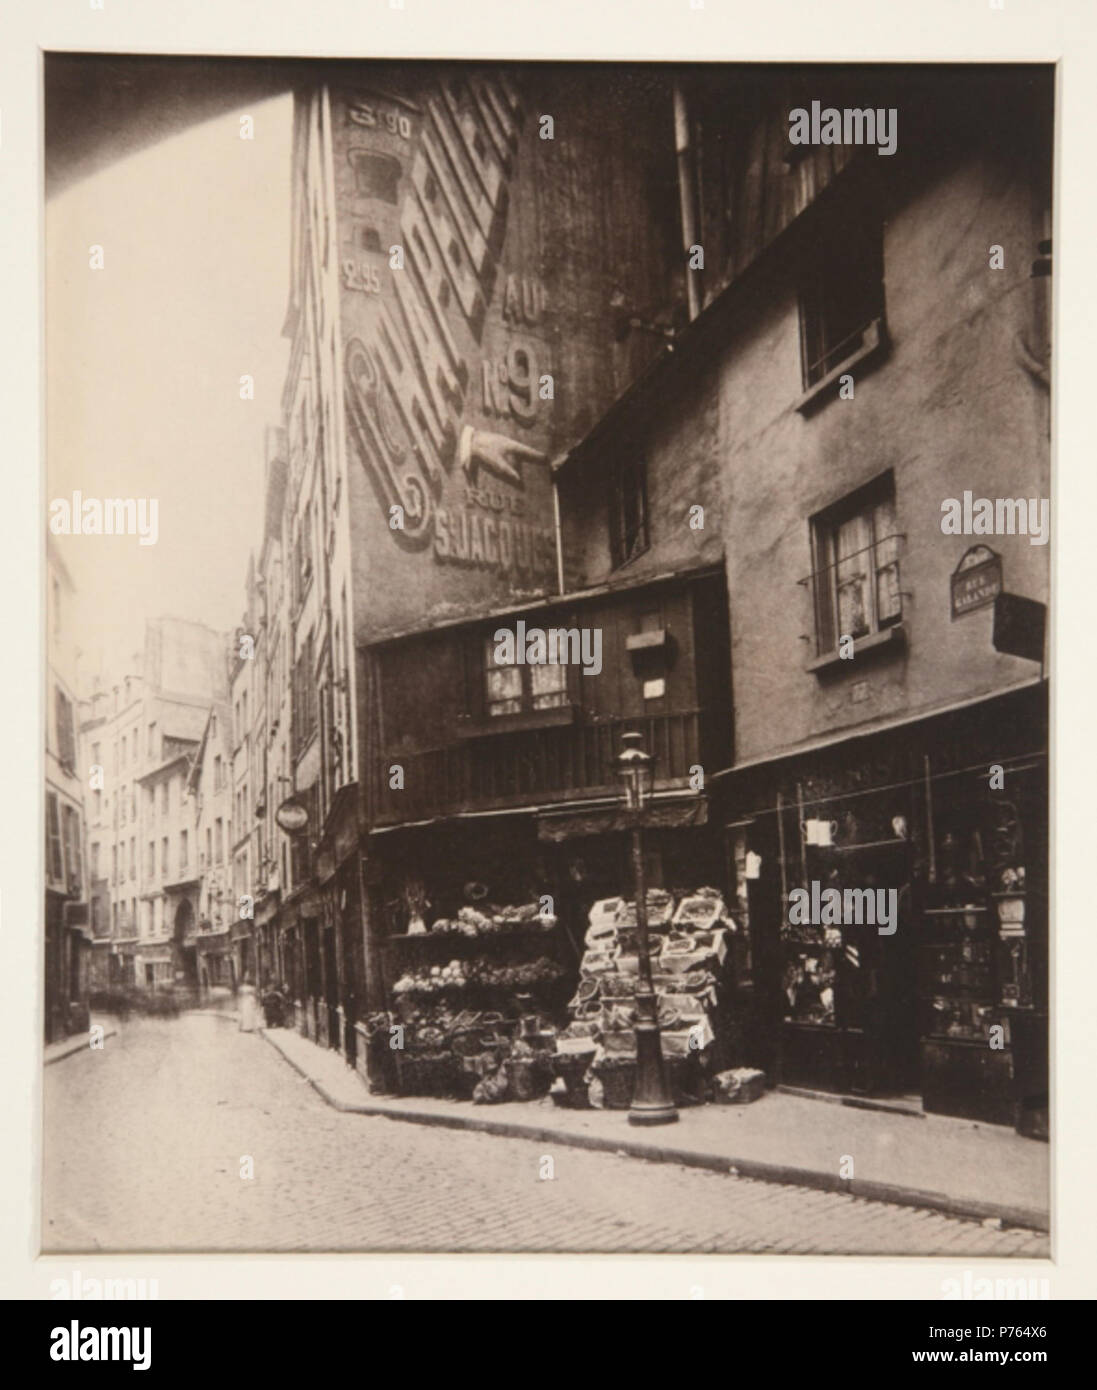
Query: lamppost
{"points": [[651, 1098]]}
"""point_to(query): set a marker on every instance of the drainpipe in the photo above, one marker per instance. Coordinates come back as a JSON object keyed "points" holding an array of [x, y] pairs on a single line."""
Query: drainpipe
{"points": [[559, 535], [687, 198]]}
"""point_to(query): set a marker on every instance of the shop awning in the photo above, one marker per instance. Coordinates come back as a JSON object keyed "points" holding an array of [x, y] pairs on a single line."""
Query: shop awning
{"points": [[673, 815]]}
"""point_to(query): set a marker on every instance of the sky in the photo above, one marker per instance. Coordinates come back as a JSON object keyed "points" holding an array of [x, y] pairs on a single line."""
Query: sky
{"points": [[144, 360]]}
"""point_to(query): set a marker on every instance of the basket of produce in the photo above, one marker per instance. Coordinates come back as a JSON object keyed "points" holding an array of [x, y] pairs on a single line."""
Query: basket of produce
{"points": [[572, 1068], [616, 1017], [425, 1038], [699, 911], [599, 961], [618, 1078], [619, 1043], [529, 1072], [660, 908]]}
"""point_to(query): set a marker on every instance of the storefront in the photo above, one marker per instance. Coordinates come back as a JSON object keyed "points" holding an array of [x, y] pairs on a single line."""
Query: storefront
{"points": [[508, 951], [214, 957], [67, 948], [898, 903]]}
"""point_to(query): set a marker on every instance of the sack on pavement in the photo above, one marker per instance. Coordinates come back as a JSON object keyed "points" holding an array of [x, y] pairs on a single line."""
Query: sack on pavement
{"points": [[739, 1086]]}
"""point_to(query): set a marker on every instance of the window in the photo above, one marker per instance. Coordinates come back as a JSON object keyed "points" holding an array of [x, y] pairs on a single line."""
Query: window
{"points": [[133, 805], [133, 857], [114, 863], [152, 740], [220, 840], [304, 697], [123, 762], [628, 511], [217, 773], [122, 801], [55, 863], [74, 859], [164, 857], [150, 859], [842, 293], [856, 578], [182, 852], [512, 689], [66, 736], [164, 797], [209, 845]]}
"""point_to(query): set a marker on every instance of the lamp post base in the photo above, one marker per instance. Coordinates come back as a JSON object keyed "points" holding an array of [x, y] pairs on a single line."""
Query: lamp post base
{"points": [[651, 1099]]}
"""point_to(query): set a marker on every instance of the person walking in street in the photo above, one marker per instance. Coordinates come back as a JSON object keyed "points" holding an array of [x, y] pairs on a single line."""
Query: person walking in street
{"points": [[249, 1011]]}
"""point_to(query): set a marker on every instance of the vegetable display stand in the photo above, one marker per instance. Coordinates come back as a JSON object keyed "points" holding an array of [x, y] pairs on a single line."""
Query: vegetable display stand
{"points": [[428, 1076]]}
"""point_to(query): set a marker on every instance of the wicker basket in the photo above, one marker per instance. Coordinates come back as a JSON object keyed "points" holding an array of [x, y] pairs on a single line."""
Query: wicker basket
{"points": [[618, 1078], [529, 1078], [572, 1067]]}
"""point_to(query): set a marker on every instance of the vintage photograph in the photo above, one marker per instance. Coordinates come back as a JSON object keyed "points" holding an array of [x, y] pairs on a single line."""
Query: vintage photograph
{"points": [[547, 673]]}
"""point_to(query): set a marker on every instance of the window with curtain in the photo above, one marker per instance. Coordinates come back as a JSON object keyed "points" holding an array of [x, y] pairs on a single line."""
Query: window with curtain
{"points": [[513, 689], [856, 577]]}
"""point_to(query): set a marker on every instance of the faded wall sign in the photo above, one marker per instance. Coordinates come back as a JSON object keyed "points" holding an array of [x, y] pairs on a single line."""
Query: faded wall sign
{"points": [[446, 362]]}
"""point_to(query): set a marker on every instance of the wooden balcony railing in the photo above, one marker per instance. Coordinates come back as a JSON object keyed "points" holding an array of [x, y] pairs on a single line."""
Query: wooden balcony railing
{"points": [[522, 767]]}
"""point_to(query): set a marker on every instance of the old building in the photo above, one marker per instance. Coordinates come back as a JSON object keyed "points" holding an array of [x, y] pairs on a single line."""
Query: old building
{"points": [[146, 731], [208, 799], [67, 936], [438, 291], [873, 343], [622, 359]]}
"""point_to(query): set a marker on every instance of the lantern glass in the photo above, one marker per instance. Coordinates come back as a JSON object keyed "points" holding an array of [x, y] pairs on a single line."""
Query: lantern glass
{"points": [[636, 769]]}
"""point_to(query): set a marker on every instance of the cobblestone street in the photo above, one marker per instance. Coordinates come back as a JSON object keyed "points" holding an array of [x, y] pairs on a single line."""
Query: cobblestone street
{"points": [[146, 1141]]}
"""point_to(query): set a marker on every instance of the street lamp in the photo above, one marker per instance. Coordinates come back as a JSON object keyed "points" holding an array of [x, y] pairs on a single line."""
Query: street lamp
{"points": [[651, 1098]]}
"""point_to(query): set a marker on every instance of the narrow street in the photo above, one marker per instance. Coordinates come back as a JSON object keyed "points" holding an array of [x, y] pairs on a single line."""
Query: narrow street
{"points": [[146, 1141]]}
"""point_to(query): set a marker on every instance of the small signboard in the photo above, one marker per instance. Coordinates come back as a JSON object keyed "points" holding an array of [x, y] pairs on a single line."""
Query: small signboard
{"points": [[976, 580], [292, 816], [1019, 625]]}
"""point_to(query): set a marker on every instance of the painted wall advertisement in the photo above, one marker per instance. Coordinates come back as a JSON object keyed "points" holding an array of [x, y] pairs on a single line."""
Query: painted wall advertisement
{"points": [[448, 370]]}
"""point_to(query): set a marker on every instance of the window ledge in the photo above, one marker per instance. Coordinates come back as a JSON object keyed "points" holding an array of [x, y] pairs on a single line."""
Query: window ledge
{"points": [[873, 340], [509, 723], [889, 637]]}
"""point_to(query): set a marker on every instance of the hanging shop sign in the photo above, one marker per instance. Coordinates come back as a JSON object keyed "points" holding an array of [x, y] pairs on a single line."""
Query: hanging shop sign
{"points": [[1019, 625], [976, 580], [292, 816]]}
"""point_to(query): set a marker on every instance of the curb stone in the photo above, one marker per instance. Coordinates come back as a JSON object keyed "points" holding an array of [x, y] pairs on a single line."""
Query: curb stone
{"points": [[1027, 1218]]}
